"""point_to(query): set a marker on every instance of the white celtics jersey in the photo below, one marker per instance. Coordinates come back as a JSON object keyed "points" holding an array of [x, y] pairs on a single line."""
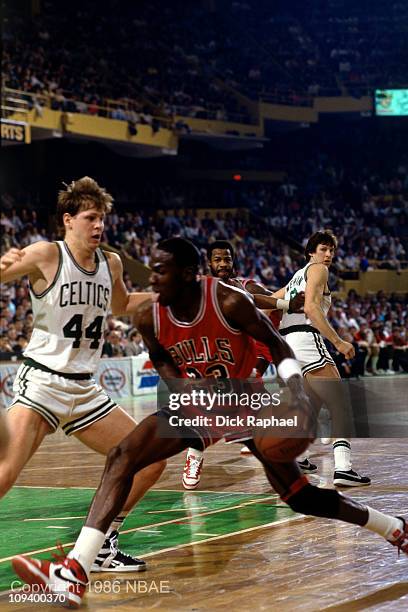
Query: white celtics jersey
{"points": [[295, 286], [69, 316]]}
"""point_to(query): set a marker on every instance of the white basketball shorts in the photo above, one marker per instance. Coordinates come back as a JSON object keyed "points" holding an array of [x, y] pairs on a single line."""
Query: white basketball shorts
{"points": [[310, 350], [66, 403]]}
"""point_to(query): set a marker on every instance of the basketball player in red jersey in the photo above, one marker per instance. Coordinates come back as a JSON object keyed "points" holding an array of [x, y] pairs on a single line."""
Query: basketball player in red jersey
{"points": [[216, 322], [220, 256]]}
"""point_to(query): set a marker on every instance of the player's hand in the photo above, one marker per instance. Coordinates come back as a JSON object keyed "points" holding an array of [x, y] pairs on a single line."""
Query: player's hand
{"points": [[296, 304], [346, 349], [11, 257], [301, 405]]}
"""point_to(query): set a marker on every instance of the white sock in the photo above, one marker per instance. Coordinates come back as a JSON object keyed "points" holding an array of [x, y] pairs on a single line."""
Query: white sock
{"points": [[383, 524], [117, 522], [197, 454], [305, 456], [86, 547], [342, 454]]}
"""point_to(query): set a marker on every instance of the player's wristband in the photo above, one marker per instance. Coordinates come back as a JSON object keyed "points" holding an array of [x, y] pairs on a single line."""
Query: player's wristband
{"points": [[287, 368], [282, 305]]}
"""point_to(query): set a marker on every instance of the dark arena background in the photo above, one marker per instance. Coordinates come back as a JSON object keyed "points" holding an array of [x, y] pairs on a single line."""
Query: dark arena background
{"points": [[249, 121]]}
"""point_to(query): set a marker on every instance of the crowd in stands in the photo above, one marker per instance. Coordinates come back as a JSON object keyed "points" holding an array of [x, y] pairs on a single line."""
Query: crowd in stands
{"points": [[190, 59], [325, 48], [141, 61], [257, 223], [377, 326]]}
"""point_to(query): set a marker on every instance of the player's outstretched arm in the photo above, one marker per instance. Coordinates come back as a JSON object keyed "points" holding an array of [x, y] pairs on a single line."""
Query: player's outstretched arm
{"points": [[161, 358], [123, 302], [317, 276], [274, 300], [241, 313], [29, 261]]}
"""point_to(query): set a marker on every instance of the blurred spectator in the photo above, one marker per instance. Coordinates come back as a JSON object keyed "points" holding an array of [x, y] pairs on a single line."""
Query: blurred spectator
{"points": [[112, 347], [135, 344]]}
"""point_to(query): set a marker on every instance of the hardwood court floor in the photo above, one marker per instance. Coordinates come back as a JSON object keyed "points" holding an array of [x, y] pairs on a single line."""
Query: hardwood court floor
{"points": [[231, 543]]}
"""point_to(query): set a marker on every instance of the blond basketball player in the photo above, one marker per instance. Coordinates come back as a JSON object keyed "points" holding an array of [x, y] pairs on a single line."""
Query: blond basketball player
{"points": [[73, 284], [304, 332]]}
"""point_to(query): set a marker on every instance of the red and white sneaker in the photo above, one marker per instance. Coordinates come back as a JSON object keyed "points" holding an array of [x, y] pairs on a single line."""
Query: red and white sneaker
{"points": [[401, 535], [245, 450], [192, 469], [65, 579]]}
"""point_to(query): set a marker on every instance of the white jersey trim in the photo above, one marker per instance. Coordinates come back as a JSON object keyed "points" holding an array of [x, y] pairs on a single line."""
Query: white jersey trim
{"points": [[76, 264], [38, 296]]}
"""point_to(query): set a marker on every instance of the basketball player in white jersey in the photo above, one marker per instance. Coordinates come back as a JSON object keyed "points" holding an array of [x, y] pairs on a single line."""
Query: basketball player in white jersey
{"points": [[73, 286], [304, 332]]}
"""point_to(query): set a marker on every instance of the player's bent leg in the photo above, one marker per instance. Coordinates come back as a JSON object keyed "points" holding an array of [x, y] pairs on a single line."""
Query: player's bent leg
{"points": [[329, 503], [331, 395], [150, 441], [102, 436], [27, 429], [294, 489], [105, 434]]}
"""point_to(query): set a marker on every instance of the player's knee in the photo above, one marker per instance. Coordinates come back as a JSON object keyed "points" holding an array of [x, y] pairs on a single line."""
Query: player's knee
{"points": [[315, 501], [121, 462]]}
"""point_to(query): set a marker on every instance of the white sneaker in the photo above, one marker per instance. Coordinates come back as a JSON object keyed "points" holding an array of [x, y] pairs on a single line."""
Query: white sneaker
{"points": [[111, 559], [325, 440], [245, 450], [192, 471]]}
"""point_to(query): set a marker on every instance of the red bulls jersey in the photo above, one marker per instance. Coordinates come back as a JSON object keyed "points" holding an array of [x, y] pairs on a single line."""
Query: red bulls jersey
{"points": [[207, 346], [275, 316]]}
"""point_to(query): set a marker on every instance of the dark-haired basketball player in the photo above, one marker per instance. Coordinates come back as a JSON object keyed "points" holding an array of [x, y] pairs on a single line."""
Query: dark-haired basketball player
{"points": [[220, 256], [304, 332], [201, 311]]}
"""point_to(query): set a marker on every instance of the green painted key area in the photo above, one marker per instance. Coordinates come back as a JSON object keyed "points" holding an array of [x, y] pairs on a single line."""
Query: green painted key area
{"points": [[35, 519]]}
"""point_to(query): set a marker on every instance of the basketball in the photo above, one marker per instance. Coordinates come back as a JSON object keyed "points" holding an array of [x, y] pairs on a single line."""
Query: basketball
{"points": [[282, 433], [281, 450]]}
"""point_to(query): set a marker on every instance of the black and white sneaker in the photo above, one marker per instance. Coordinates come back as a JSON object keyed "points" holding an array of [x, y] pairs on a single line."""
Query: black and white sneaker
{"points": [[350, 478], [111, 559], [307, 467]]}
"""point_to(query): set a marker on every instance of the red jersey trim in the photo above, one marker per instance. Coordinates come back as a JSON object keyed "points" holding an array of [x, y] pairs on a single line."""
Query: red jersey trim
{"points": [[218, 310], [200, 313]]}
